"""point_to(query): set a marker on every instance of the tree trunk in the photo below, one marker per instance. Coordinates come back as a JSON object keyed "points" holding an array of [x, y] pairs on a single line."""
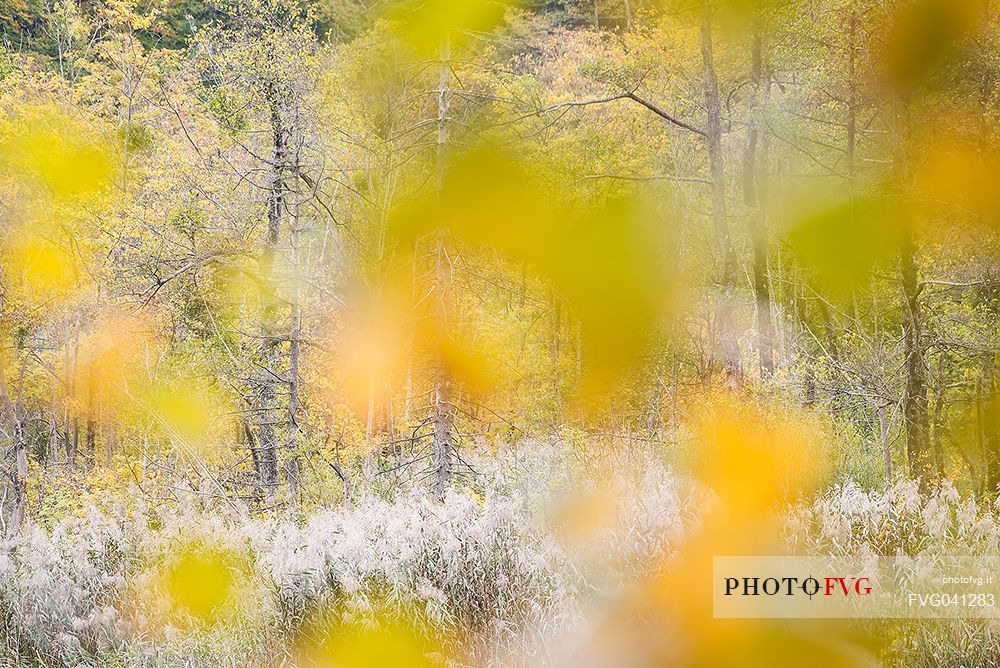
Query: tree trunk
{"points": [[883, 431], [91, 438], [852, 102], [728, 340], [245, 436], [752, 175], [14, 415], [915, 396], [555, 352], [268, 377], [937, 417], [442, 409], [75, 447], [802, 313], [292, 466], [111, 444], [53, 451], [20, 507], [73, 441], [989, 419]]}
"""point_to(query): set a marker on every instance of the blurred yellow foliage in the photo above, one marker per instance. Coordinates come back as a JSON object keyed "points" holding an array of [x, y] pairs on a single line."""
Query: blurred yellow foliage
{"points": [[757, 457], [375, 340], [109, 356], [242, 281], [196, 585], [587, 516], [382, 644], [199, 582], [67, 168], [839, 238], [922, 34], [182, 412], [55, 151], [185, 408], [427, 24], [52, 161], [955, 168], [41, 268], [605, 261]]}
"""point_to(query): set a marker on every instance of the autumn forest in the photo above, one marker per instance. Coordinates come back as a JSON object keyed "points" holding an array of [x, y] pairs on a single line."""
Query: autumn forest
{"points": [[468, 332]]}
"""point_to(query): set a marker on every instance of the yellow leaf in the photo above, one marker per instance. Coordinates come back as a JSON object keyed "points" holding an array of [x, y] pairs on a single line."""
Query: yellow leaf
{"points": [[841, 240], [385, 645], [426, 24], [922, 34], [199, 582], [42, 268], [184, 412]]}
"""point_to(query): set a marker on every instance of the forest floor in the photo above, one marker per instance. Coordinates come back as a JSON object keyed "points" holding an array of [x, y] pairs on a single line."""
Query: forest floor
{"points": [[545, 561]]}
